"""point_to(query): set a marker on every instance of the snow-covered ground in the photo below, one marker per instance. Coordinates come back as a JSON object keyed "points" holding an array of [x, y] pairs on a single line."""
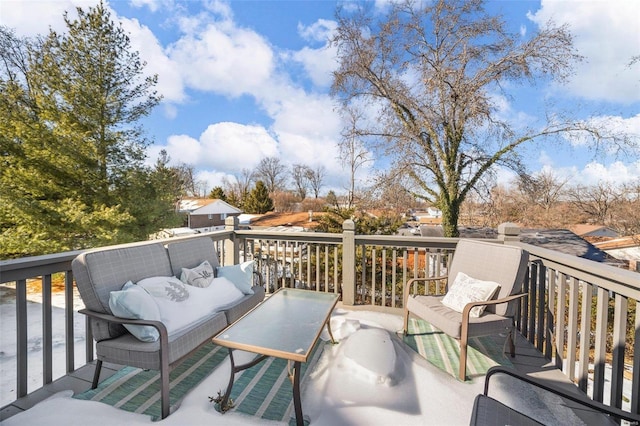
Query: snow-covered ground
{"points": [[8, 346]]}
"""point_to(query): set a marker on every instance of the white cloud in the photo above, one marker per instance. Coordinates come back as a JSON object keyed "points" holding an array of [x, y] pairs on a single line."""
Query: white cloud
{"points": [[223, 58], [616, 173], [606, 33], [319, 64], [170, 82], [322, 30], [222, 147], [183, 149], [39, 16], [153, 5]]}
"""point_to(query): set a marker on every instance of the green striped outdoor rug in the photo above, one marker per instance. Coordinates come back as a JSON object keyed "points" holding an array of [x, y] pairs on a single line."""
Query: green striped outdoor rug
{"points": [[136, 390], [443, 351], [265, 390]]}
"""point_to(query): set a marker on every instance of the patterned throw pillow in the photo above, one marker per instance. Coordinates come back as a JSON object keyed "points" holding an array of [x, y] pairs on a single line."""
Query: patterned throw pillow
{"points": [[466, 289], [169, 288], [200, 276]]}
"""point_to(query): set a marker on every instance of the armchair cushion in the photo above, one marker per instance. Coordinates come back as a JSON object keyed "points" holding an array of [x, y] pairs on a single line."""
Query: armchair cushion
{"points": [[466, 289], [133, 302], [200, 276], [240, 275]]}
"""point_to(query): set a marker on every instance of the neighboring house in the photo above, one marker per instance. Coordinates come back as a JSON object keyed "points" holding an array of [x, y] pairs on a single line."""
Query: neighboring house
{"points": [[625, 248], [599, 231], [432, 216], [211, 216]]}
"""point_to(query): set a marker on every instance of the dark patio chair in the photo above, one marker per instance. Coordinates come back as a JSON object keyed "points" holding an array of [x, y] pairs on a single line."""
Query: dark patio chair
{"points": [[488, 411]]}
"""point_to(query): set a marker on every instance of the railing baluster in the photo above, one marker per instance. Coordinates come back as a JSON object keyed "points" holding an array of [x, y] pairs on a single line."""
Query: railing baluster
{"points": [[585, 327], [551, 291], [335, 270], [533, 299], [383, 302], [373, 275], [47, 331], [540, 316], [635, 377], [21, 335], [619, 338], [318, 267], [68, 321], [394, 268], [560, 320], [572, 330], [600, 343]]}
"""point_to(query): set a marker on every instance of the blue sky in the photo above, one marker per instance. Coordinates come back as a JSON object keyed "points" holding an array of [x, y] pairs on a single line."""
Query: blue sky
{"points": [[243, 80]]}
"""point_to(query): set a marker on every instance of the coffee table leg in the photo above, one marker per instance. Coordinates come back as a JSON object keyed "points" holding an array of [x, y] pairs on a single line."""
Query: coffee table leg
{"points": [[236, 369], [227, 394], [333, 341], [297, 403]]}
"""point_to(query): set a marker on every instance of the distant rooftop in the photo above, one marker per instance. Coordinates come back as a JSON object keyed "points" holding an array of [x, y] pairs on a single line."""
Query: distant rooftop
{"points": [[561, 240]]}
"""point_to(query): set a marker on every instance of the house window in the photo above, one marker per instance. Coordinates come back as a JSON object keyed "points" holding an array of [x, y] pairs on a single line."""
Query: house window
{"points": [[223, 216], [210, 216]]}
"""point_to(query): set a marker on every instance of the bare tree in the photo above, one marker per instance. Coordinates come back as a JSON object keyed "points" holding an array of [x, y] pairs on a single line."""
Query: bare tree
{"points": [[300, 178], [596, 201], [541, 192], [237, 189], [316, 179], [353, 153], [272, 172], [626, 211], [191, 187], [430, 71]]}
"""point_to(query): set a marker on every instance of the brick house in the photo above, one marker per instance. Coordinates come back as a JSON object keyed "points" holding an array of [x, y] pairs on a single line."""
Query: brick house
{"points": [[211, 216]]}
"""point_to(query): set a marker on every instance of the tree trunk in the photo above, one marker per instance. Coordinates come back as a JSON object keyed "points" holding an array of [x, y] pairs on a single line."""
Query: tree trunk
{"points": [[450, 213]]}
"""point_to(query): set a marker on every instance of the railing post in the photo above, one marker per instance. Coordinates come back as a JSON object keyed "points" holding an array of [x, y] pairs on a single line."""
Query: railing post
{"points": [[508, 232], [231, 246], [348, 262]]}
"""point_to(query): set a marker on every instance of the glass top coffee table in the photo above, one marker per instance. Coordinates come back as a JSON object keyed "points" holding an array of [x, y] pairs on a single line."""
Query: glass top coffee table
{"points": [[287, 325]]}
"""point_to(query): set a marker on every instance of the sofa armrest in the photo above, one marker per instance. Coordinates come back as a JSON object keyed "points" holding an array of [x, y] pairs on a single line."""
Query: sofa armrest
{"points": [[159, 325]]}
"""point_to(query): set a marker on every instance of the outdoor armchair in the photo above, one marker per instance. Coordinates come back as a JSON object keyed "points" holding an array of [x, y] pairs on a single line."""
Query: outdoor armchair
{"points": [[474, 263]]}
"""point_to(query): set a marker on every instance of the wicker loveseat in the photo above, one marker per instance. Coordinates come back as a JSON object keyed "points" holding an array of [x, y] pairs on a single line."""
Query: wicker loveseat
{"points": [[102, 271]]}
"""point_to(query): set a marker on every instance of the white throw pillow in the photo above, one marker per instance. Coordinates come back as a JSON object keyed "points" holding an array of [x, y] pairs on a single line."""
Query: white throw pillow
{"points": [[134, 302], [466, 289], [169, 288], [200, 276], [240, 275]]}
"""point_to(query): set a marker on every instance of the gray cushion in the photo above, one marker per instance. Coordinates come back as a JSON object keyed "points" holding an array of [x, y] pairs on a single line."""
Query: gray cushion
{"points": [[190, 253], [449, 321]]}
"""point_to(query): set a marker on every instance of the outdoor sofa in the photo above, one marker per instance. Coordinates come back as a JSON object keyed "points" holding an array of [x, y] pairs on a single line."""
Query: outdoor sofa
{"points": [[100, 272]]}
